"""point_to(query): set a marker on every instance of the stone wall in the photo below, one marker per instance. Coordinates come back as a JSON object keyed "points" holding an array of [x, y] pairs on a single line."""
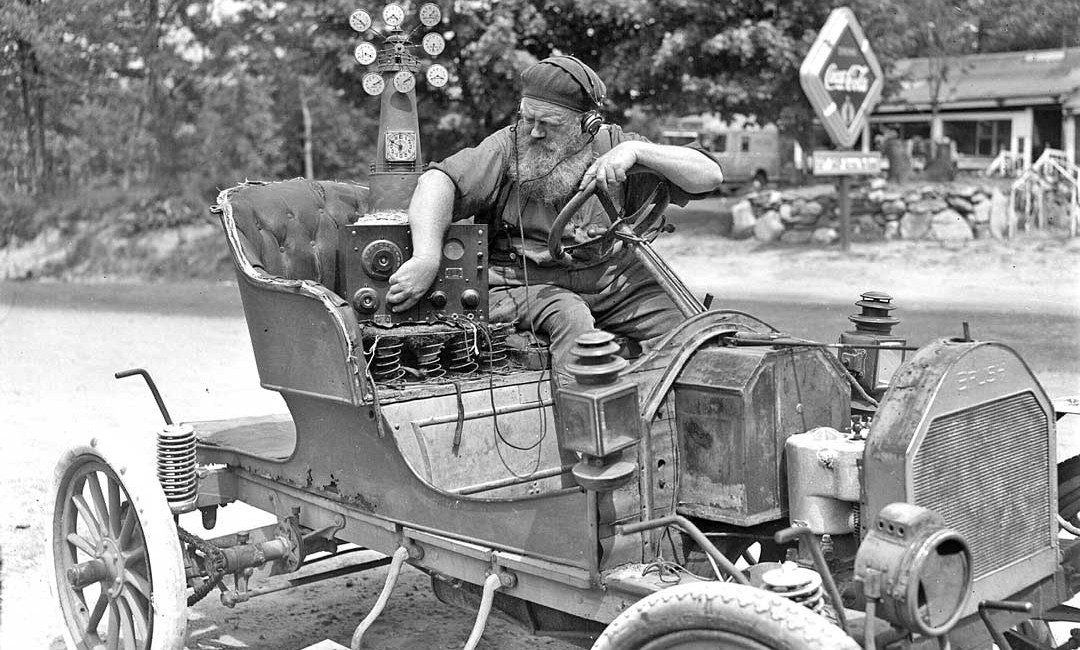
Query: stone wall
{"points": [[944, 212]]}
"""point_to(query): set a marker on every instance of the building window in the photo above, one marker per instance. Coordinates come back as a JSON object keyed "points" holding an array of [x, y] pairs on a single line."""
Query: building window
{"points": [[981, 137], [744, 145]]}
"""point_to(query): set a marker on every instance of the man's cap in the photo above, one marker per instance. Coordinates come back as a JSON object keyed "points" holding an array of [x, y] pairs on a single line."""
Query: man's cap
{"points": [[551, 80]]}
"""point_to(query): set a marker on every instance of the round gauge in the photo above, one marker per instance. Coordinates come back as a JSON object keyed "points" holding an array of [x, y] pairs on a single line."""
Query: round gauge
{"points": [[404, 81], [365, 53], [430, 14], [373, 83], [433, 43], [360, 20], [392, 15], [400, 146], [437, 75]]}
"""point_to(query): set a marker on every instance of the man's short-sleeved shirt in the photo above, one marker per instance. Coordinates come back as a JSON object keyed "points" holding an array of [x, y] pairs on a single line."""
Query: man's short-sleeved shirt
{"points": [[485, 192]]}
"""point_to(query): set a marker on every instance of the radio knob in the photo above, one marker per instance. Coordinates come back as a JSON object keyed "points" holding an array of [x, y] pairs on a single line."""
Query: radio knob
{"points": [[366, 300], [437, 299], [470, 299]]}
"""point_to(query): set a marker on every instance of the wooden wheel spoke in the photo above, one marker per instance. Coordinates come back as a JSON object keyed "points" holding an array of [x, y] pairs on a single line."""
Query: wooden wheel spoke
{"points": [[127, 625], [88, 515], [134, 556], [130, 520], [114, 507], [95, 616], [112, 636], [141, 584], [81, 543], [139, 612], [94, 481]]}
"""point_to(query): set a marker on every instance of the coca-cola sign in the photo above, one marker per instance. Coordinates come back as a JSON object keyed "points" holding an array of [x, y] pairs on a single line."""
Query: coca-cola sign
{"points": [[841, 77]]}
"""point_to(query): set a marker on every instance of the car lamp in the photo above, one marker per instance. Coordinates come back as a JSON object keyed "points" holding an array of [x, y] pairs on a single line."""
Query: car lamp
{"points": [[598, 414], [869, 359], [914, 569]]}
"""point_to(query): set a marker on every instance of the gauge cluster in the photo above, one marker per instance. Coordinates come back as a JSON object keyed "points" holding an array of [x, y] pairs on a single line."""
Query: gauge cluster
{"points": [[398, 61]]}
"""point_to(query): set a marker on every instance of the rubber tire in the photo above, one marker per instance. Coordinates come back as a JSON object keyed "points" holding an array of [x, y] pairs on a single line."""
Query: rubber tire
{"points": [[761, 618], [168, 587]]}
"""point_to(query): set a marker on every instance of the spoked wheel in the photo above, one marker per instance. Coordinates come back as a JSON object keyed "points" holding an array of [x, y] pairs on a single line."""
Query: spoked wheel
{"points": [[119, 577], [696, 616]]}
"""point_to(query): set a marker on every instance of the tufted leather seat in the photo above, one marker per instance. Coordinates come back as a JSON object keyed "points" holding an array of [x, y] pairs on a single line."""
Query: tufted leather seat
{"points": [[283, 238], [289, 229]]}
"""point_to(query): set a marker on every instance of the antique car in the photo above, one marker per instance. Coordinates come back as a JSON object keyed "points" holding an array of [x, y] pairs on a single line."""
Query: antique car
{"points": [[730, 486]]}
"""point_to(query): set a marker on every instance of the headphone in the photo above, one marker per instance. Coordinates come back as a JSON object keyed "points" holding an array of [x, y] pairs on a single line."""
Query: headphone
{"points": [[590, 82]]}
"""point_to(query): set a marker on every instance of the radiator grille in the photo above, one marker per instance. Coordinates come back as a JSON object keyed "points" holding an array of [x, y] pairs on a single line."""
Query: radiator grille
{"points": [[986, 470]]}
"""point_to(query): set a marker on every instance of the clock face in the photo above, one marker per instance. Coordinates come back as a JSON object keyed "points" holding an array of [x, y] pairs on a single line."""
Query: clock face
{"points": [[373, 83], [437, 75], [430, 14], [433, 43], [360, 20], [400, 146], [404, 81], [365, 53], [392, 15]]}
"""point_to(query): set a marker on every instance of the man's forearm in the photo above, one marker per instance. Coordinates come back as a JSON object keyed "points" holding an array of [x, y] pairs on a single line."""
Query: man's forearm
{"points": [[430, 212], [688, 168]]}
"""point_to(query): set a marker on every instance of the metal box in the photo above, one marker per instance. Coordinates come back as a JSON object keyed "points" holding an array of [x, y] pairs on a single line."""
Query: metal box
{"points": [[734, 409]]}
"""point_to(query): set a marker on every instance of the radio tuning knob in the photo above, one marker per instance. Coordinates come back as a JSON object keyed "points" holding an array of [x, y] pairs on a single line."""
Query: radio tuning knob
{"points": [[437, 299], [366, 300], [470, 299]]}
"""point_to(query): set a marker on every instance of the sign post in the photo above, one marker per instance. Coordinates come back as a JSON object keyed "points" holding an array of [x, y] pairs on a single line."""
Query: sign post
{"points": [[842, 79]]}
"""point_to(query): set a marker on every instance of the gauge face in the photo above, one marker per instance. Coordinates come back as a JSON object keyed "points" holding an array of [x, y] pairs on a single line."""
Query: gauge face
{"points": [[400, 146], [437, 75], [360, 20], [373, 83], [430, 14], [392, 15], [404, 81], [433, 43], [365, 53]]}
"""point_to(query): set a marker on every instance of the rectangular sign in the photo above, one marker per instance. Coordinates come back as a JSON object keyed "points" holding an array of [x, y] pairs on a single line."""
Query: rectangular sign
{"points": [[846, 163]]}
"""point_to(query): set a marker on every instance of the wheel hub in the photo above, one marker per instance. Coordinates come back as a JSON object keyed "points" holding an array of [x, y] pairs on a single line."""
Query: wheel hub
{"points": [[107, 568]]}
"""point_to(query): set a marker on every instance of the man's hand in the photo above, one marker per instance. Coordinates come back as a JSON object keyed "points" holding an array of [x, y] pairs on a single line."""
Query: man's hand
{"points": [[411, 282], [610, 168]]}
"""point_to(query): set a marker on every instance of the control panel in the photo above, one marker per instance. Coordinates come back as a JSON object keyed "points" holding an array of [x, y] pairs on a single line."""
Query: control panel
{"points": [[374, 252]]}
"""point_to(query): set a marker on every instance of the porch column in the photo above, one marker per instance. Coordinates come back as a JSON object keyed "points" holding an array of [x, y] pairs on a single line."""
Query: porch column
{"points": [[1068, 134], [1028, 131]]}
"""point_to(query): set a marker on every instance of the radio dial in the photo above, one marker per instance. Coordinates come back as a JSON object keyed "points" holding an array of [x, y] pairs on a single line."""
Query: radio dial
{"points": [[366, 300], [470, 299]]}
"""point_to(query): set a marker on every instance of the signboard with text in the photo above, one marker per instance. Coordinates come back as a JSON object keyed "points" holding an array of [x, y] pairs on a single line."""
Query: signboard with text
{"points": [[842, 78], [845, 163]]}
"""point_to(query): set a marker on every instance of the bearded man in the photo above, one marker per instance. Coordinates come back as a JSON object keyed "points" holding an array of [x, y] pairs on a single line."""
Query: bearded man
{"points": [[518, 180]]}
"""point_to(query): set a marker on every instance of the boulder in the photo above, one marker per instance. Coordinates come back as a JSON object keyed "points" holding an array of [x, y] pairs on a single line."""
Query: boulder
{"points": [[769, 227], [773, 198], [796, 236], [867, 229], [896, 206], [931, 205], [950, 226], [742, 220], [825, 236], [959, 203], [999, 215], [915, 225], [877, 196], [812, 209], [980, 213], [979, 197], [963, 191], [785, 212], [877, 183], [892, 230], [912, 197]]}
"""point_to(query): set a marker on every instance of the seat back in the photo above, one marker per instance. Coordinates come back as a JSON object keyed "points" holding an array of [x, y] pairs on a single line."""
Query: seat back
{"points": [[283, 238], [289, 229]]}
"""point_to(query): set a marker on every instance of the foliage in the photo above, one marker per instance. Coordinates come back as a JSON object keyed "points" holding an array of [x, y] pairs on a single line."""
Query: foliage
{"points": [[183, 97]]}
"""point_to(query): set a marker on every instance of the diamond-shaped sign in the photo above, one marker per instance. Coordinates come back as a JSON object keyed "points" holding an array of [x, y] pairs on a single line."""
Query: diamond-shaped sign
{"points": [[841, 77]]}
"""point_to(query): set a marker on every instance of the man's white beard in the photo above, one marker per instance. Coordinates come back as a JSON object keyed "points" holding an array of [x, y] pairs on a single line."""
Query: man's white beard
{"points": [[551, 168]]}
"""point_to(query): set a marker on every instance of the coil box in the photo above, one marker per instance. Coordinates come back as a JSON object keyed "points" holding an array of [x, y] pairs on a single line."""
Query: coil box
{"points": [[374, 252]]}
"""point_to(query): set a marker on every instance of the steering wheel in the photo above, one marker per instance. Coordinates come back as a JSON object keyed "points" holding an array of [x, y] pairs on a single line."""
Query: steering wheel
{"points": [[637, 223]]}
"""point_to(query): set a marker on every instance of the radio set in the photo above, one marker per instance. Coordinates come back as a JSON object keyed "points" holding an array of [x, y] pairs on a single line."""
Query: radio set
{"points": [[374, 252]]}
